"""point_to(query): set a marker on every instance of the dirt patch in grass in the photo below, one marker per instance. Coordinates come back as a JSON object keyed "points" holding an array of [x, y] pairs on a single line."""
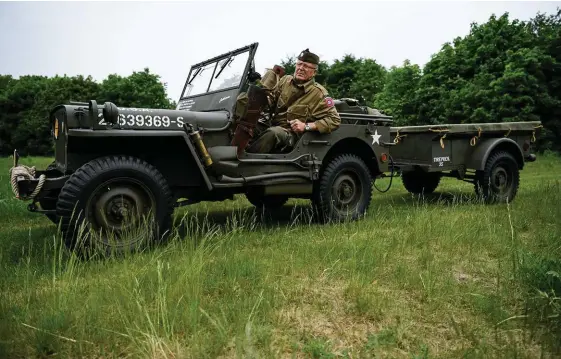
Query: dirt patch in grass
{"points": [[333, 318]]}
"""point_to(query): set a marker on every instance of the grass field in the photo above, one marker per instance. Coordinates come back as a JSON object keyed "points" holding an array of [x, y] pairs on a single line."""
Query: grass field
{"points": [[443, 277]]}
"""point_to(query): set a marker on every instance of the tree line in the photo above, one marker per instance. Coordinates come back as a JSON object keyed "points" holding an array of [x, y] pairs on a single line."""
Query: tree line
{"points": [[25, 103], [504, 70]]}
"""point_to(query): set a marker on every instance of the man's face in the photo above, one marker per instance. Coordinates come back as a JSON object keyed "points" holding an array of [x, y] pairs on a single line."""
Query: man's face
{"points": [[304, 70]]}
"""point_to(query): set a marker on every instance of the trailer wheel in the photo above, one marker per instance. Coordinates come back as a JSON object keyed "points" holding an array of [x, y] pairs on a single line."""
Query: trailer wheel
{"points": [[499, 181], [115, 204], [420, 182], [344, 190]]}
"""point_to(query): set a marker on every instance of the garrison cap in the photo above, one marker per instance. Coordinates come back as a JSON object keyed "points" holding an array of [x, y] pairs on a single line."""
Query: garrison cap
{"points": [[307, 56]]}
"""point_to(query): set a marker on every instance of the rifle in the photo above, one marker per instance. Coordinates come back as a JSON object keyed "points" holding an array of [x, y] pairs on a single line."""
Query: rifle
{"points": [[257, 101]]}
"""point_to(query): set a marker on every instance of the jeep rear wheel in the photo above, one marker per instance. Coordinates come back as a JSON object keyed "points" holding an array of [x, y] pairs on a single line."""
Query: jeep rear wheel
{"points": [[118, 203], [499, 181], [344, 190]]}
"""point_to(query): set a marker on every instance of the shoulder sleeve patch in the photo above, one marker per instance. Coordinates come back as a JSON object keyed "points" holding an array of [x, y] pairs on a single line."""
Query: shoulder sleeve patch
{"points": [[328, 101]]}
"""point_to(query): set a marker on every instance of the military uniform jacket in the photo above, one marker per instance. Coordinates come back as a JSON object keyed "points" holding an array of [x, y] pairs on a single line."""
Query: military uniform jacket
{"points": [[307, 102]]}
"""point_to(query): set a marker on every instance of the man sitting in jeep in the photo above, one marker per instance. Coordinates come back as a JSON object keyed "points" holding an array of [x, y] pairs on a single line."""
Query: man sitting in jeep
{"points": [[298, 104]]}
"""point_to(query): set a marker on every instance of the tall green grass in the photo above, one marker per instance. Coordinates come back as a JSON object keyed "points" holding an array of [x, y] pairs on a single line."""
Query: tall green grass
{"points": [[442, 276]]}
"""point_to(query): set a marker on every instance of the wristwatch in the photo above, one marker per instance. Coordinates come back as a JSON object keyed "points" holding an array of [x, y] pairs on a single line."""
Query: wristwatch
{"points": [[307, 127]]}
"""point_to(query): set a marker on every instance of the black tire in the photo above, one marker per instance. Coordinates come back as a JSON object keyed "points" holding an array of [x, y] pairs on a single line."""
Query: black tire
{"points": [[262, 202], [344, 190], [119, 184], [499, 181], [420, 182]]}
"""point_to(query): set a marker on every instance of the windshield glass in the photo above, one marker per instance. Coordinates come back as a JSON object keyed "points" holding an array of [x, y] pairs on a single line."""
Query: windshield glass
{"points": [[228, 73], [199, 80]]}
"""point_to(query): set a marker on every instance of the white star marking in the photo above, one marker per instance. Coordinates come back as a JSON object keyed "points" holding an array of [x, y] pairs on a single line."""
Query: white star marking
{"points": [[376, 137]]}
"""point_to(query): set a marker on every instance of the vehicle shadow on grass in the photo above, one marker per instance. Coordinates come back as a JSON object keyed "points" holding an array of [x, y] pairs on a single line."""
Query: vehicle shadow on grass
{"points": [[194, 223], [437, 198], [43, 242]]}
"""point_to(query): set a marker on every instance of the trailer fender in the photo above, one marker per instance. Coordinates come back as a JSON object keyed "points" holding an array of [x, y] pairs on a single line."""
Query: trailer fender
{"points": [[484, 148]]}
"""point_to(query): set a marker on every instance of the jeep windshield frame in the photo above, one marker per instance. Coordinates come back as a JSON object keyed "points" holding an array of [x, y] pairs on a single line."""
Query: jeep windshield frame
{"points": [[221, 73]]}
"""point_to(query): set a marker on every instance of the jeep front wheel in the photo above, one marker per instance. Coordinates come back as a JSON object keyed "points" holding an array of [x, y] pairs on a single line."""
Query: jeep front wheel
{"points": [[118, 203], [344, 190]]}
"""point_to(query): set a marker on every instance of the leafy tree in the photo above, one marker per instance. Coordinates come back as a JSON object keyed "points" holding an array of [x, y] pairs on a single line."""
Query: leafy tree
{"points": [[398, 95], [16, 104], [25, 104], [502, 71], [58, 90], [5, 81], [368, 82], [457, 81], [547, 37], [342, 74], [289, 65], [140, 89]]}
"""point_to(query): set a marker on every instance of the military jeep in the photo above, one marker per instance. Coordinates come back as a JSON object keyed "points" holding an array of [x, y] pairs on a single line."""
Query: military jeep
{"points": [[114, 164]]}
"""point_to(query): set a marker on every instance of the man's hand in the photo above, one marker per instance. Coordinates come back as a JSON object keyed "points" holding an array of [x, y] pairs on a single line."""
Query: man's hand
{"points": [[297, 126]]}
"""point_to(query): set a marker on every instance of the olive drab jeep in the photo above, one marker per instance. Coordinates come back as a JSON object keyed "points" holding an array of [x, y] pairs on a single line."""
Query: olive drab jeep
{"points": [[115, 167]]}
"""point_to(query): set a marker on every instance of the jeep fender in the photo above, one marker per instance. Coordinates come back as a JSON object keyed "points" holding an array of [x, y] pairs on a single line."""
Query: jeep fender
{"points": [[484, 148], [358, 147], [87, 133]]}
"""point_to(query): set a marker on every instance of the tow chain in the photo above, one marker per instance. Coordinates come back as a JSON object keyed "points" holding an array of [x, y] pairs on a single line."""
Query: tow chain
{"points": [[28, 173]]}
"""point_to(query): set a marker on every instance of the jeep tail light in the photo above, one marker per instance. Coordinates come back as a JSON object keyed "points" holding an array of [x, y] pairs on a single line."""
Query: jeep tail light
{"points": [[384, 158]]}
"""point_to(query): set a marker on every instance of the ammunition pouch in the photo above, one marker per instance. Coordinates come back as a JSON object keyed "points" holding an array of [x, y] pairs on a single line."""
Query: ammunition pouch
{"points": [[257, 100]]}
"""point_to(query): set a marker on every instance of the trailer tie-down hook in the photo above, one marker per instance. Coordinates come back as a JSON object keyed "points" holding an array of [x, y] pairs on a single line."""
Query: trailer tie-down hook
{"points": [[441, 138], [398, 137], [534, 133], [474, 139], [442, 142]]}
